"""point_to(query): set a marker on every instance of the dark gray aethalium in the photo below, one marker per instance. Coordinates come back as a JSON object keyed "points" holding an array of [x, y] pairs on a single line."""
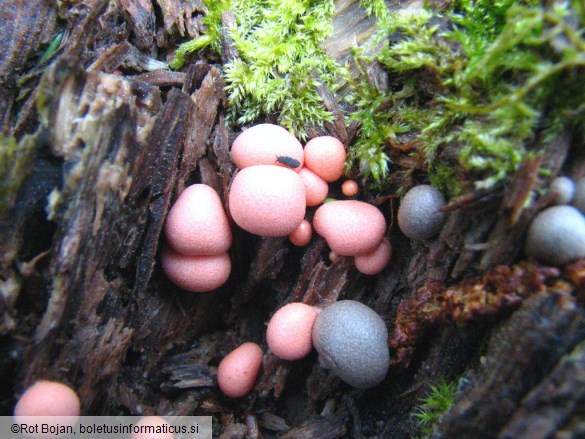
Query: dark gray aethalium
{"points": [[556, 236], [352, 341], [419, 214]]}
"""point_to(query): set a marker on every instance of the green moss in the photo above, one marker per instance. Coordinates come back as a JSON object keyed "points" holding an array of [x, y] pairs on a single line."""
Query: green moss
{"points": [[281, 62], [484, 78], [434, 405], [474, 87], [188, 48], [383, 116], [448, 178]]}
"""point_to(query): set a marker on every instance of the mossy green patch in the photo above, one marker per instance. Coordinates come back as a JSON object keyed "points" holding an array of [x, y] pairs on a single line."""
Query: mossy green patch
{"points": [[483, 78], [475, 86], [434, 405], [281, 62]]}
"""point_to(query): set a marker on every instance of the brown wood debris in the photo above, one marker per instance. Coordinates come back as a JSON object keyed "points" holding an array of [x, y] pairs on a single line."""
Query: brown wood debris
{"points": [[108, 137], [180, 16], [319, 428], [25, 27], [140, 15], [540, 343], [550, 408], [575, 273], [109, 212], [495, 292]]}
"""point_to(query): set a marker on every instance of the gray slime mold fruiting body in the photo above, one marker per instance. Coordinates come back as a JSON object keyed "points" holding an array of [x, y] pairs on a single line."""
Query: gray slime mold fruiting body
{"points": [[556, 236], [563, 189], [419, 214], [352, 341]]}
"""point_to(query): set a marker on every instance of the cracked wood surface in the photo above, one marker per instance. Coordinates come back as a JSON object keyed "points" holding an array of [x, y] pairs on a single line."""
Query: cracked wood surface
{"points": [[110, 138]]}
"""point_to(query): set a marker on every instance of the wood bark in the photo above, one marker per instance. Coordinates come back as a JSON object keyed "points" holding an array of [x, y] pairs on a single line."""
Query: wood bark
{"points": [[106, 140]]}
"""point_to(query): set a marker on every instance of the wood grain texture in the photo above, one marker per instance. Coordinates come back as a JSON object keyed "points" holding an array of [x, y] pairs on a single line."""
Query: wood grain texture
{"points": [[107, 139]]}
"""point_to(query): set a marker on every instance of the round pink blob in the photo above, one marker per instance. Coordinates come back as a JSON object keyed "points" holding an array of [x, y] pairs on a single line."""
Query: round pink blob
{"points": [[267, 200], [263, 144], [349, 188], [48, 398], [325, 156], [199, 274], [350, 227], [289, 331], [302, 235], [197, 223], [376, 261], [316, 188], [153, 421], [237, 372]]}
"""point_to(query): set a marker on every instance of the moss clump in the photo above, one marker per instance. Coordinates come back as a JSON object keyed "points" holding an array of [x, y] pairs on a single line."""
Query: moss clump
{"points": [[281, 62], [472, 88], [483, 79], [434, 405]]}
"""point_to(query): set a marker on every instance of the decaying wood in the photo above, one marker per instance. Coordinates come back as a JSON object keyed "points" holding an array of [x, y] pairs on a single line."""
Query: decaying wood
{"points": [[495, 292], [180, 16], [229, 52], [527, 362], [140, 15], [108, 137], [25, 28], [550, 407], [319, 429], [114, 202]]}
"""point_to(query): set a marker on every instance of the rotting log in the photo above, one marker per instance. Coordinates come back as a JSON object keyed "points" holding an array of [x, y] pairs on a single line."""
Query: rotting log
{"points": [[529, 383], [83, 300], [125, 152]]}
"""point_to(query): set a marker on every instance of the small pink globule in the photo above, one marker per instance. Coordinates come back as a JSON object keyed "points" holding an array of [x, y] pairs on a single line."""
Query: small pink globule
{"points": [[349, 188], [316, 188], [350, 227], [49, 403], [237, 372], [197, 223], [289, 331], [198, 274], [263, 144], [325, 156], [302, 235], [376, 261], [267, 200], [48, 398], [155, 427], [333, 256]]}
